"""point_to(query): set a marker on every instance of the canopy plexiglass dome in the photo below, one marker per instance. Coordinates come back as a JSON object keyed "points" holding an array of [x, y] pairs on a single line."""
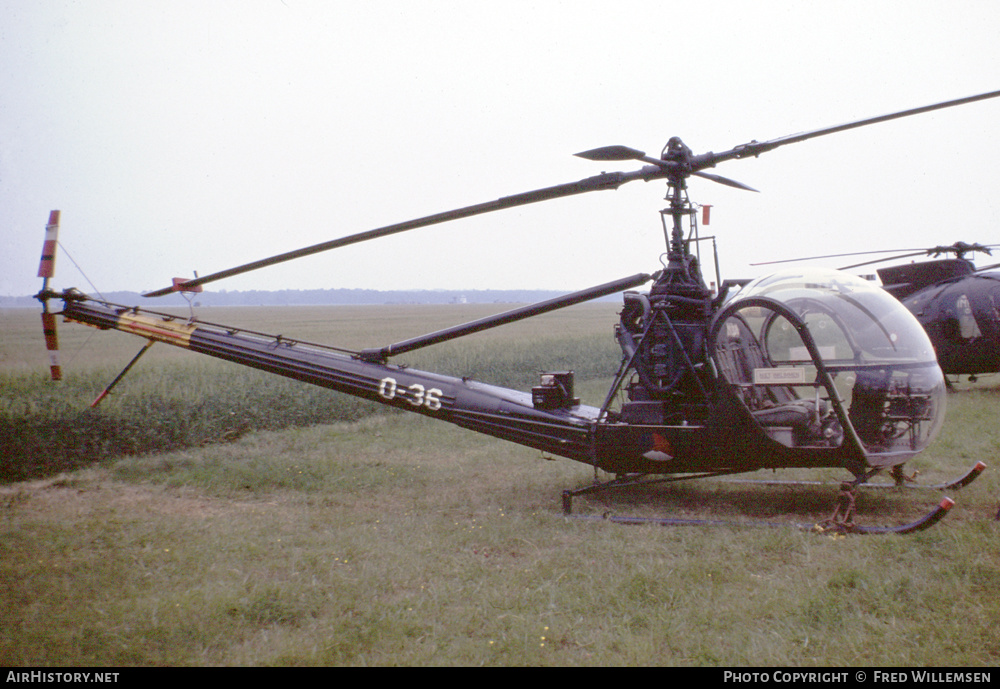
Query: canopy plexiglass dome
{"points": [[841, 349]]}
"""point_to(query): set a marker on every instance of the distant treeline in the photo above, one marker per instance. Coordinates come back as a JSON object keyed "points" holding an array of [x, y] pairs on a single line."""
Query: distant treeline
{"points": [[306, 297]]}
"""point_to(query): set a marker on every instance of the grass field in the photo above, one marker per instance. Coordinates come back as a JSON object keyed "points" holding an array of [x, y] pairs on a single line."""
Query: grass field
{"points": [[229, 518]]}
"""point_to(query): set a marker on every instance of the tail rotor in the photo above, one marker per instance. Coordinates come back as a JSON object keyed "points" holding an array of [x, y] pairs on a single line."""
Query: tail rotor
{"points": [[46, 269]]}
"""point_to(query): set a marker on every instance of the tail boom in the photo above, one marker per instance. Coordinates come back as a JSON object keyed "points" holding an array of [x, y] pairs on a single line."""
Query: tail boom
{"points": [[488, 409]]}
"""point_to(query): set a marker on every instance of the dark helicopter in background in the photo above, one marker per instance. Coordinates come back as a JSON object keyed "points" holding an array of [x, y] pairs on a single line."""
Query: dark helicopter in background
{"points": [[797, 369], [956, 303]]}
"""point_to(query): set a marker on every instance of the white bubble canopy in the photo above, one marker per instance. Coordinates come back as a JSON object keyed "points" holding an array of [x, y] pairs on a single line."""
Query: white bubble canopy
{"points": [[822, 357]]}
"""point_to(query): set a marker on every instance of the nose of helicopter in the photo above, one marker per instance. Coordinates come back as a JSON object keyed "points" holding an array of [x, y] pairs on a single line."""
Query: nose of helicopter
{"points": [[825, 325]]}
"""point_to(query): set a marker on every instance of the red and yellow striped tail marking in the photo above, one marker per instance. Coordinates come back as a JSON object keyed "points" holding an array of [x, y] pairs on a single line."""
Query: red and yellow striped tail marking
{"points": [[173, 332]]}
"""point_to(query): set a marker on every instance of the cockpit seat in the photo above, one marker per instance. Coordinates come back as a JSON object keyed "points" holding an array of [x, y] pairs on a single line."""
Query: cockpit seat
{"points": [[784, 416]]}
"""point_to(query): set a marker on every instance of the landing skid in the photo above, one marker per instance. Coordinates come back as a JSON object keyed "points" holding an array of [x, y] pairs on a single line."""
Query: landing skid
{"points": [[955, 484], [841, 521], [901, 482], [925, 522]]}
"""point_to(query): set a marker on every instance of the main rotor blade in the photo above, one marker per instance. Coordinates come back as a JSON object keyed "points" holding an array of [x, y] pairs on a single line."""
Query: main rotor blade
{"points": [[617, 153], [606, 180], [755, 148], [658, 169], [724, 180]]}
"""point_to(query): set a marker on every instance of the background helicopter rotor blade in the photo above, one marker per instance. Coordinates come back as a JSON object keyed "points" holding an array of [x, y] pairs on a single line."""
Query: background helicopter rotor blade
{"points": [[606, 180], [850, 253], [883, 260], [961, 248], [958, 248]]}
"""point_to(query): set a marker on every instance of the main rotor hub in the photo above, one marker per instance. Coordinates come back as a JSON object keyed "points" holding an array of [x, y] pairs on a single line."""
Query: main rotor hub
{"points": [[676, 151]]}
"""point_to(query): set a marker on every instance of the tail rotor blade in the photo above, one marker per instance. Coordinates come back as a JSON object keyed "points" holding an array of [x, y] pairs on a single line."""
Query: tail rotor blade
{"points": [[46, 270], [47, 265], [52, 344]]}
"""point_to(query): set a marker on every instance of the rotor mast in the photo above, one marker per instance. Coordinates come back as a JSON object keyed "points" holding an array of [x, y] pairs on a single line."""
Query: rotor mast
{"points": [[678, 153]]}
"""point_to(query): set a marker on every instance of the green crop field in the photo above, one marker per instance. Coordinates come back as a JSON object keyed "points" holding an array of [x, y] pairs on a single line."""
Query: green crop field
{"points": [[207, 514]]}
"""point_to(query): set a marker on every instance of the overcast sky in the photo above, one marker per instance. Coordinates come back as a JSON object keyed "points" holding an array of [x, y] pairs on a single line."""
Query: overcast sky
{"points": [[182, 136]]}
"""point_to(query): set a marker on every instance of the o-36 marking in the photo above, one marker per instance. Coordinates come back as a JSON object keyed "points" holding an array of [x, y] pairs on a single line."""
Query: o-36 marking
{"points": [[416, 394]]}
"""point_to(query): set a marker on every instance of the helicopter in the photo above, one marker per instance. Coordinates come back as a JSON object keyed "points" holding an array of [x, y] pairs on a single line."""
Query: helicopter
{"points": [[802, 368], [956, 303]]}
